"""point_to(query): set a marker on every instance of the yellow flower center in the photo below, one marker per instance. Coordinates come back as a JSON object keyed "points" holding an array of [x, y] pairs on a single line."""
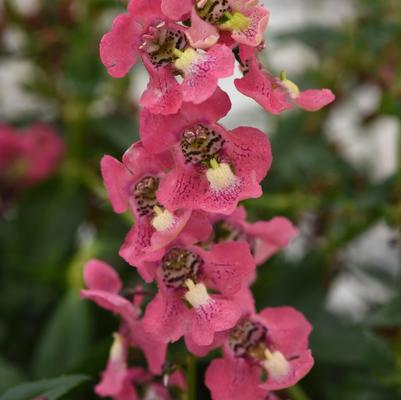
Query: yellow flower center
{"points": [[184, 58], [235, 22]]}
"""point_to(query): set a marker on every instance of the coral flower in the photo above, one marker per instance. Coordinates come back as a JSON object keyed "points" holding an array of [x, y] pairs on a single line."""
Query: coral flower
{"points": [[162, 44], [183, 305], [214, 168], [104, 286], [274, 94], [134, 183], [245, 20], [119, 381], [273, 342], [265, 238]]}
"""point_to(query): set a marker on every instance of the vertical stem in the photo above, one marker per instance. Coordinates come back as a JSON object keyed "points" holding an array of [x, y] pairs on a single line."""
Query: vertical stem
{"points": [[297, 393], [191, 377]]}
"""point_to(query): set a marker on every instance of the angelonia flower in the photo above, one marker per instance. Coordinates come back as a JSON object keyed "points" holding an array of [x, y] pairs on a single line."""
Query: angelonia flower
{"points": [[27, 157], [120, 380], [183, 183]]}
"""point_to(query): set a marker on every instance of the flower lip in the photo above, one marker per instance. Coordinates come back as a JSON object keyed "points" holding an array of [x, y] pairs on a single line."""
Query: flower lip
{"points": [[179, 265]]}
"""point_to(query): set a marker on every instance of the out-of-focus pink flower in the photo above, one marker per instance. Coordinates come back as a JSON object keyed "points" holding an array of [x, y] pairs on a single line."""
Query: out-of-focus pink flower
{"points": [[104, 286], [274, 341], [115, 381], [265, 238], [120, 382], [184, 274], [28, 156], [276, 95], [214, 168]]}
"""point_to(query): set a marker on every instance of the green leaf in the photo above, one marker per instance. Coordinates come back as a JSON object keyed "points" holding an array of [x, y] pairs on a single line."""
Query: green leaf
{"points": [[50, 389], [65, 338], [9, 375]]}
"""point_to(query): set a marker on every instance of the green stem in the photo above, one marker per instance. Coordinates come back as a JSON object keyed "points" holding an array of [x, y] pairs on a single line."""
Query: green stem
{"points": [[297, 393], [191, 377]]}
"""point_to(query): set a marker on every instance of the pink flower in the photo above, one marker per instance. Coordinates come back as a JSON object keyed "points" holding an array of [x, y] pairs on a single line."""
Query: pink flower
{"points": [[134, 184], [28, 156], [120, 382], [276, 95], [276, 342], [176, 9], [265, 238], [115, 380], [165, 50], [104, 286], [184, 274], [202, 69], [214, 168], [245, 20]]}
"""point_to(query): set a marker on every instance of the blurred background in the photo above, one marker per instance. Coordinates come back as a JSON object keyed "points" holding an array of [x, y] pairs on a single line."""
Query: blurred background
{"points": [[336, 174]]}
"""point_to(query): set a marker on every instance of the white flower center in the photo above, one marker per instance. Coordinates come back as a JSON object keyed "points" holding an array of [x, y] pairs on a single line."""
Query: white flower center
{"points": [[220, 176], [117, 350], [197, 294], [276, 364], [163, 219]]}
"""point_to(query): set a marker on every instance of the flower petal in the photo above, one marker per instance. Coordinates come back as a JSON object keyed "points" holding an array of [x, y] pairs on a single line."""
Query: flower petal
{"points": [[153, 348], [176, 9], [118, 181], [201, 34], [271, 236], [258, 17], [314, 100], [234, 379], [119, 47], [99, 275], [112, 302], [249, 149], [228, 267], [166, 315], [200, 80], [163, 94], [216, 316], [260, 85], [288, 329]]}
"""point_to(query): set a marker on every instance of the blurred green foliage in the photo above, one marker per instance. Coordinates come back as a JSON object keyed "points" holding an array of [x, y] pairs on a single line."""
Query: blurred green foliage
{"points": [[47, 331]]}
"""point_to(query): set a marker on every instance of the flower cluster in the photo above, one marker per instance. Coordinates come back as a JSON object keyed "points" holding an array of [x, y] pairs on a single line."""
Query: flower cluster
{"points": [[27, 157], [183, 182]]}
